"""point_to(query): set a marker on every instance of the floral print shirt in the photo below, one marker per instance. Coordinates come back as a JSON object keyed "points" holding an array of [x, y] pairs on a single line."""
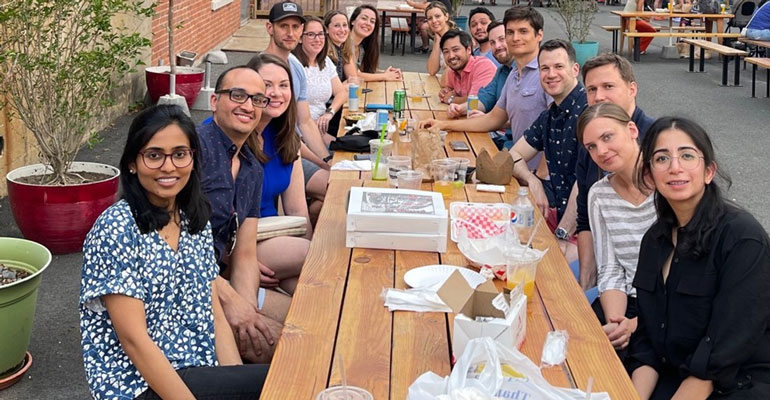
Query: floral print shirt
{"points": [[175, 287]]}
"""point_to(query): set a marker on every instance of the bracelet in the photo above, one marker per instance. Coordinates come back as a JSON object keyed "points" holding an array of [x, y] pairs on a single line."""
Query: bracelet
{"points": [[328, 158]]}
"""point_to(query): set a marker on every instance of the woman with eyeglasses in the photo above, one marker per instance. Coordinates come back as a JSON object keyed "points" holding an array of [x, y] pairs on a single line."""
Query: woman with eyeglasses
{"points": [[277, 148], [151, 323], [322, 80], [364, 47], [702, 281], [336, 23], [620, 215]]}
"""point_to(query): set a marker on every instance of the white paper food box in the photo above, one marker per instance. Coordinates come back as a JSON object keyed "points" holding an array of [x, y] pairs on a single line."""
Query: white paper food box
{"points": [[383, 218]]}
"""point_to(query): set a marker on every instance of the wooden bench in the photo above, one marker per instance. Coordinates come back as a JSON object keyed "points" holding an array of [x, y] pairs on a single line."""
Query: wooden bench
{"points": [[756, 44], [615, 30], [758, 62], [725, 51], [399, 28], [636, 35]]}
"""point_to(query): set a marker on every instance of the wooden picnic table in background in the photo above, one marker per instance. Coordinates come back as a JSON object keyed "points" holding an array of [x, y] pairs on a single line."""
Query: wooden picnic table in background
{"points": [[628, 24], [391, 7], [337, 306]]}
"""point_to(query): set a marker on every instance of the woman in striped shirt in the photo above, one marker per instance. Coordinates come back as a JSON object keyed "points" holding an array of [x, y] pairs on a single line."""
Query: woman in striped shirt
{"points": [[619, 214]]}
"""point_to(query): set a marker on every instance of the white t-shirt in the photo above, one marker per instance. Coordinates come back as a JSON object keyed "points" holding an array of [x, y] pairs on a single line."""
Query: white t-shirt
{"points": [[319, 87]]}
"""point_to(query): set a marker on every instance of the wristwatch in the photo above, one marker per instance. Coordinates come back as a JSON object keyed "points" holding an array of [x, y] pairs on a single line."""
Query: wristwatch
{"points": [[561, 233], [328, 158], [330, 110], [450, 99]]}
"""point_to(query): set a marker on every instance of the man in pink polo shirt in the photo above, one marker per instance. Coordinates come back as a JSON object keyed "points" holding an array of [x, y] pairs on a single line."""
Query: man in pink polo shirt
{"points": [[466, 73]]}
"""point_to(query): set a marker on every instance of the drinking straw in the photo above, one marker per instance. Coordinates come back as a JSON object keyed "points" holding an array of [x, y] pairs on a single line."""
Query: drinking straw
{"points": [[342, 376], [589, 387], [379, 151], [532, 234]]}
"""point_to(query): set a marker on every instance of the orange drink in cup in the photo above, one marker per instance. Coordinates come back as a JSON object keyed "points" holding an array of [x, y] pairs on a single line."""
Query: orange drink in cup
{"points": [[444, 176], [520, 269]]}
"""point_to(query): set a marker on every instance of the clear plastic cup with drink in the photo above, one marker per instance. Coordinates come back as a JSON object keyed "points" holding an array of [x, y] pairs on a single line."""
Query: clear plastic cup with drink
{"points": [[461, 173], [409, 179], [397, 164], [521, 267], [443, 176], [416, 91], [344, 393], [380, 163]]}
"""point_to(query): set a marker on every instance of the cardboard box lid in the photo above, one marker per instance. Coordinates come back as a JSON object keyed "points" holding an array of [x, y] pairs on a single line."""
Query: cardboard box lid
{"points": [[373, 209], [463, 299]]}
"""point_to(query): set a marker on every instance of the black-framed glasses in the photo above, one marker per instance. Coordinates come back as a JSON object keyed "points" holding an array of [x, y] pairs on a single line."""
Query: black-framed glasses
{"points": [[688, 159], [314, 35], [240, 96], [154, 159]]}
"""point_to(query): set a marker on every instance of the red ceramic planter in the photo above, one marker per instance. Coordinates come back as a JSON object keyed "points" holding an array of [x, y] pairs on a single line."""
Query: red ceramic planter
{"points": [[188, 82], [59, 217]]}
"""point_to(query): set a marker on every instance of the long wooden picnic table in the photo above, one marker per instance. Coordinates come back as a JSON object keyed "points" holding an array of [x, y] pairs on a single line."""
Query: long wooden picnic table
{"points": [[628, 25], [337, 308]]}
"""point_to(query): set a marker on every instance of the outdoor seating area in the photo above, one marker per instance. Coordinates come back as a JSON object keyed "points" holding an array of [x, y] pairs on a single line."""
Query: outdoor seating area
{"points": [[520, 204]]}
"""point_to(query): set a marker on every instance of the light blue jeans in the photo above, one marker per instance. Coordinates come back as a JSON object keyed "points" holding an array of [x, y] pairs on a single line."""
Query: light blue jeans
{"points": [[758, 34]]}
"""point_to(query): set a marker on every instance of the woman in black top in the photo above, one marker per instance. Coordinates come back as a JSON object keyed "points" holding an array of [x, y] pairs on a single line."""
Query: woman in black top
{"points": [[703, 279]]}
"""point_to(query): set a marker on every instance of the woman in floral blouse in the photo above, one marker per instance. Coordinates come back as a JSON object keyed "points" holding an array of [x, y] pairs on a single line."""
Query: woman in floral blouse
{"points": [[151, 322]]}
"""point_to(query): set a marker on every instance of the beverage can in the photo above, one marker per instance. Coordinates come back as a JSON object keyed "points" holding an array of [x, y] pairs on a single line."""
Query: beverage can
{"points": [[353, 97], [399, 103], [473, 103]]}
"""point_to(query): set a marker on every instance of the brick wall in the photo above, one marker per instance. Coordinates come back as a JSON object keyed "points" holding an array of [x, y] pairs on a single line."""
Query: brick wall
{"points": [[201, 30]]}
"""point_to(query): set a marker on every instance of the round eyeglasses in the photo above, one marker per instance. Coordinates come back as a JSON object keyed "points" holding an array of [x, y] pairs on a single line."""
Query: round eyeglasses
{"points": [[240, 96], [688, 159], [154, 159]]}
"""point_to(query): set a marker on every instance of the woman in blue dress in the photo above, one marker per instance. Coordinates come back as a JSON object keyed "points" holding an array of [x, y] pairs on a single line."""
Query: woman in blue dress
{"points": [[151, 323], [276, 145]]}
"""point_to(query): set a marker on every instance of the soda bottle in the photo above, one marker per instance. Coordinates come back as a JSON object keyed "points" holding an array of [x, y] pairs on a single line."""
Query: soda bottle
{"points": [[523, 215]]}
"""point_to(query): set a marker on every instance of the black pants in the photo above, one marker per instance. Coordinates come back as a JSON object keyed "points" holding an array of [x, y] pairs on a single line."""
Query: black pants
{"points": [[630, 313], [229, 382]]}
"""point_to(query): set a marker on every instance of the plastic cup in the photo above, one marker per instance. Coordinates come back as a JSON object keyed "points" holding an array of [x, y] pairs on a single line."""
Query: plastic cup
{"points": [[382, 167], [461, 173], [443, 176], [409, 179], [348, 393], [416, 91], [520, 268], [397, 164]]}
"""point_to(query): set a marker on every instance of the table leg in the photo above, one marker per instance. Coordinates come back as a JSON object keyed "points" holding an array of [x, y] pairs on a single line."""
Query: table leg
{"points": [[623, 27], [767, 90], [737, 70], [692, 58], [720, 28], [382, 30], [412, 30], [631, 28], [725, 63], [702, 59], [754, 80], [615, 41], [637, 50]]}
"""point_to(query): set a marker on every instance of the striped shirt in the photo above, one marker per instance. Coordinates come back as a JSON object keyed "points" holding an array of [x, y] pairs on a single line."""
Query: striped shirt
{"points": [[617, 227]]}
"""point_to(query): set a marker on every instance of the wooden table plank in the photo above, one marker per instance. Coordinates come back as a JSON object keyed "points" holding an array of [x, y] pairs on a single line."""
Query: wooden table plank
{"points": [[419, 339], [481, 141], [589, 353], [377, 95], [306, 343]]}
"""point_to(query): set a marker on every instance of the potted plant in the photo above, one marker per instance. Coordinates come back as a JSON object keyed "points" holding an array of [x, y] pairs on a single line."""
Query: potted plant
{"points": [[22, 263], [460, 20], [60, 66], [578, 16], [169, 80]]}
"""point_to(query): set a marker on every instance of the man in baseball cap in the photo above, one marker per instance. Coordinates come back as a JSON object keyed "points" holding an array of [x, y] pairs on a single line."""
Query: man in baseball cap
{"points": [[285, 9]]}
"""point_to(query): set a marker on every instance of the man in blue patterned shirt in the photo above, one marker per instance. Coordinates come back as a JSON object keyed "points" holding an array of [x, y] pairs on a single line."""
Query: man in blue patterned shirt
{"points": [[554, 133]]}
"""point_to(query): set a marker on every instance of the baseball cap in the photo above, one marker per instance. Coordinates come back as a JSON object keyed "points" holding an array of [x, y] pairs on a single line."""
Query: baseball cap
{"points": [[285, 9]]}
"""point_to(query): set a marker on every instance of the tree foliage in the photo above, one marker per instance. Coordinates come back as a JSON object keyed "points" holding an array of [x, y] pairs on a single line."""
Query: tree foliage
{"points": [[578, 16], [60, 61]]}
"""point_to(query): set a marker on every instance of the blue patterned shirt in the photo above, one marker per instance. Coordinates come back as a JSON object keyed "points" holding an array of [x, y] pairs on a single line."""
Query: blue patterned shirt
{"points": [[554, 133], [228, 197], [175, 287]]}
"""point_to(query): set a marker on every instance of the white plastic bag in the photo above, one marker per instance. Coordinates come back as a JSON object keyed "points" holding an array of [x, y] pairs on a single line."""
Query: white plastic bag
{"points": [[495, 371]]}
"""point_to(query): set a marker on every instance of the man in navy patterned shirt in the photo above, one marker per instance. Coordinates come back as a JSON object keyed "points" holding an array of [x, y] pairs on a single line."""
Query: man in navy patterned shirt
{"points": [[554, 133], [231, 177]]}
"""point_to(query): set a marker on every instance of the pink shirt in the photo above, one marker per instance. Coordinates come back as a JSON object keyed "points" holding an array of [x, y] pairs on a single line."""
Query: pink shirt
{"points": [[478, 72]]}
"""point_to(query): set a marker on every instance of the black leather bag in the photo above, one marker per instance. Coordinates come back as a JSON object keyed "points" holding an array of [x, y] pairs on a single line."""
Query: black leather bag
{"points": [[354, 143]]}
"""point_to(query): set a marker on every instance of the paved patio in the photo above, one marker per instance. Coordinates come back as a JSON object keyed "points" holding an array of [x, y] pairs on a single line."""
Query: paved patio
{"points": [[737, 123]]}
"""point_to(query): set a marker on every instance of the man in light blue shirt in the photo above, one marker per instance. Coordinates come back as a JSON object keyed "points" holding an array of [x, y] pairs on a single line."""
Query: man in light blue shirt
{"points": [[478, 21]]}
